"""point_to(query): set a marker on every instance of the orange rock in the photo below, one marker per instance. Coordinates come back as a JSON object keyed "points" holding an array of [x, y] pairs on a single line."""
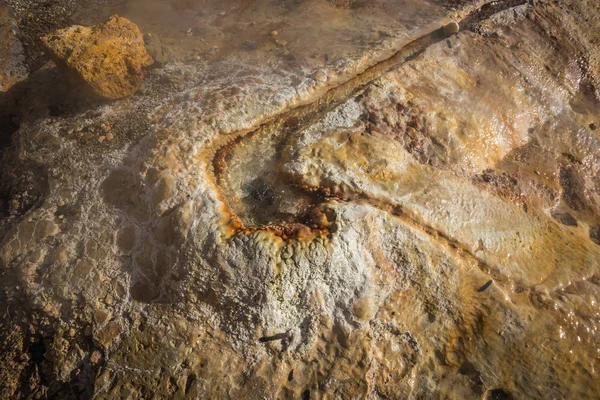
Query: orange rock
{"points": [[109, 58]]}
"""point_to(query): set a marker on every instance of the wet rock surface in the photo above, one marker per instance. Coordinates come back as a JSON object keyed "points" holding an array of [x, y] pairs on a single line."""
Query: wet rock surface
{"points": [[386, 205]]}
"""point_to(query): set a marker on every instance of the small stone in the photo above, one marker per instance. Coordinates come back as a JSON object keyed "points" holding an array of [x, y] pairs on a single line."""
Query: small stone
{"points": [[109, 136], [100, 316], [108, 334], [452, 28], [96, 357], [101, 139], [61, 203]]}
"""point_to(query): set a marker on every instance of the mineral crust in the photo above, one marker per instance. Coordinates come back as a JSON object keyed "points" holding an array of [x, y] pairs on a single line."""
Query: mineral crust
{"points": [[313, 199]]}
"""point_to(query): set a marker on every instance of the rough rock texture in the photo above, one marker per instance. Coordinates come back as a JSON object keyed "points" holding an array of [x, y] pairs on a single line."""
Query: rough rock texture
{"points": [[109, 58], [12, 57], [373, 207]]}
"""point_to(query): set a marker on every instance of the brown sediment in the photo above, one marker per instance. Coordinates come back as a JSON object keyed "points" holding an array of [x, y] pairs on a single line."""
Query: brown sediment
{"points": [[306, 226]]}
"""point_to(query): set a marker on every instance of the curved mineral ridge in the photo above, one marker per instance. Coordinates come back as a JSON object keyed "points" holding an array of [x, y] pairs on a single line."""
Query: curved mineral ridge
{"points": [[379, 199]]}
